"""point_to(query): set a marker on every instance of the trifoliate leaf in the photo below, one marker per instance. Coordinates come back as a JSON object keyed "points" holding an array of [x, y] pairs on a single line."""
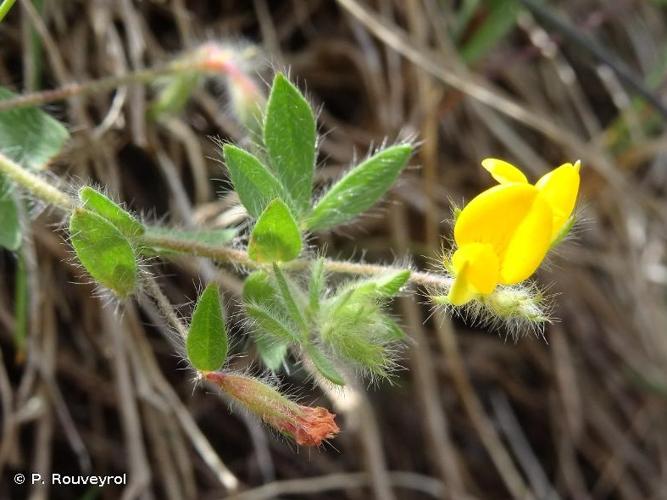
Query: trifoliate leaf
{"points": [[359, 189], [207, 342], [104, 251], [276, 236], [290, 135]]}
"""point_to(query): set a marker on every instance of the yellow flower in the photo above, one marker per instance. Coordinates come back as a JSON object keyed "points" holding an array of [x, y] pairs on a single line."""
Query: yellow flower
{"points": [[505, 232]]}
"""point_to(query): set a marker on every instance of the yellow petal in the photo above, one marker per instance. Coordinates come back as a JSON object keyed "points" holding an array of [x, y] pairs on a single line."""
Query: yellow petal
{"points": [[461, 291], [529, 244], [559, 189], [503, 171], [494, 216], [483, 267]]}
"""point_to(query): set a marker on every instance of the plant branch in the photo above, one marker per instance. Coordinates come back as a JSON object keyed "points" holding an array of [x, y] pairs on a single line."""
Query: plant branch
{"points": [[94, 86], [45, 191], [241, 258], [35, 184]]}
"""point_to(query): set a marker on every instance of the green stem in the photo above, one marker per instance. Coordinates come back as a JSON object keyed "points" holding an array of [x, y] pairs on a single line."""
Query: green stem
{"points": [[240, 257], [43, 190], [4, 8], [94, 86], [35, 184]]}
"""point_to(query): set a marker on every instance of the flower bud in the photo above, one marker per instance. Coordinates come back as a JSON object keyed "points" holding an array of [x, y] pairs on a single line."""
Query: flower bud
{"points": [[308, 426], [245, 96]]}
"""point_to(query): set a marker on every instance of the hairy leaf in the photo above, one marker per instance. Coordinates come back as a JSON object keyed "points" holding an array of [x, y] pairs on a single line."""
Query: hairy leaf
{"points": [[286, 292], [10, 222], [290, 136], [317, 285], [97, 202], [104, 251], [272, 323], [324, 365], [360, 188], [207, 342], [276, 236], [254, 183], [390, 284], [271, 352], [28, 135]]}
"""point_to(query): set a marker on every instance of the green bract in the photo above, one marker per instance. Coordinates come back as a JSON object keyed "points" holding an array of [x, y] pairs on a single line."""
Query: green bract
{"points": [[104, 251], [207, 343], [276, 236], [289, 136]]}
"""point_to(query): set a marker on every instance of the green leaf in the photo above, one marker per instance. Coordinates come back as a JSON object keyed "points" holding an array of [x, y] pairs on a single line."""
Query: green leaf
{"points": [[103, 250], [360, 188], [96, 202], [317, 285], [276, 236], [271, 339], [10, 222], [28, 135], [324, 365], [207, 343], [390, 284], [394, 331], [254, 183], [499, 19], [258, 288], [271, 323], [290, 135], [286, 293], [271, 352]]}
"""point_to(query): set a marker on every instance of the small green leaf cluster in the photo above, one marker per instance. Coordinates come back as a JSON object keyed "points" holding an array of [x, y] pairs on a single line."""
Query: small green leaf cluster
{"points": [[275, 183], [330, 329]]}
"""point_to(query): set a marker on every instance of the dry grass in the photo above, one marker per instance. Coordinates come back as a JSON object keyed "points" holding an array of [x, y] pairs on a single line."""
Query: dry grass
{"points": [[579, 416]]}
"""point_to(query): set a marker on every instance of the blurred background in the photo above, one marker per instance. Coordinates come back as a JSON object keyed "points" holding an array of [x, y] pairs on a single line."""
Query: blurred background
{"points": [[88, 386]]}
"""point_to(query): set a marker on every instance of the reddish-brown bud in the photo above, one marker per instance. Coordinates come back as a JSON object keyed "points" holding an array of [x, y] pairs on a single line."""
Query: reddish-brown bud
{"points": [[308, 426]]}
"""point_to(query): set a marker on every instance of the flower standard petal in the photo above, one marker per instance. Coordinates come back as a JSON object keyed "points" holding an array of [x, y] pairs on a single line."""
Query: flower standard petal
{"points": [[559, 189], [504, 172], [529, 244]]}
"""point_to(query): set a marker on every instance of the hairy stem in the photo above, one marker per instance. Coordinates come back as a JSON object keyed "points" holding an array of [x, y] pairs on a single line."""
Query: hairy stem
{"points": [[35, 184], [241, 258], [101, 85], [50, 194]]}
